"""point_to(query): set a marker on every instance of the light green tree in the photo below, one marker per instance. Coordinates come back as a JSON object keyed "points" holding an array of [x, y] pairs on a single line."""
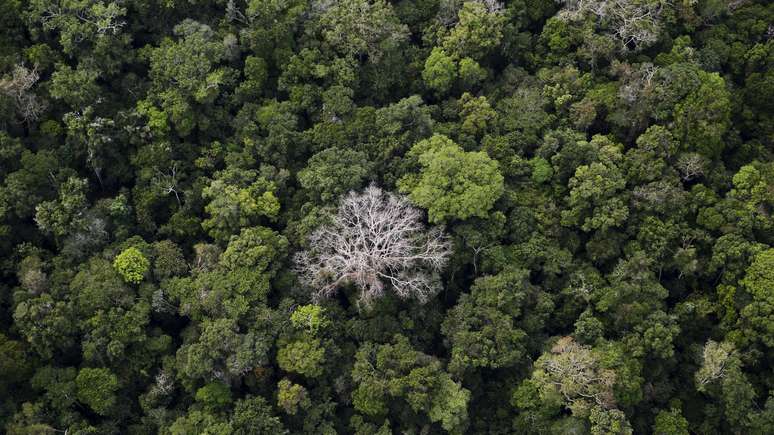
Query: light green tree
{"points": [[132, 265], [97, 388], [452, 183], [440, 71]]}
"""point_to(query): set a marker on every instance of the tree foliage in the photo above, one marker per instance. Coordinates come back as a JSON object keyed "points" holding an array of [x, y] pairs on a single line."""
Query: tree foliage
{"points": [[453, 183], [132, 265], [386, 216]]}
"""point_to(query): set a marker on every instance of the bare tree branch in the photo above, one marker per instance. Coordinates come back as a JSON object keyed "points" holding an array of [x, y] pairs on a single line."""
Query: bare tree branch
{"points": [[691, 165], [18, 87], [166, 182], [632, 22], [375, 241]]}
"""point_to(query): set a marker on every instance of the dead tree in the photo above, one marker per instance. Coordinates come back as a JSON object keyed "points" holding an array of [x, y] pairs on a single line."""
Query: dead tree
{"points": [[167, 182], [633, 23], [376, 241], [18, 87], [691, 165]]}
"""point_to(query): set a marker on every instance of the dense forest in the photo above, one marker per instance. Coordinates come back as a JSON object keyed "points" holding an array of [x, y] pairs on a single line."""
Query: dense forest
{"points": [[386, 217]]}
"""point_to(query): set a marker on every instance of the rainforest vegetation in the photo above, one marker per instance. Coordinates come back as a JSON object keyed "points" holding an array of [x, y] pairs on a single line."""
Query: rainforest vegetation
{"points": [[382, 217]]}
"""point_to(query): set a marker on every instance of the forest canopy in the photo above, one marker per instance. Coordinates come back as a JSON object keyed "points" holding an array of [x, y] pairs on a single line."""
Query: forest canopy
{"points": [[386, 217]]}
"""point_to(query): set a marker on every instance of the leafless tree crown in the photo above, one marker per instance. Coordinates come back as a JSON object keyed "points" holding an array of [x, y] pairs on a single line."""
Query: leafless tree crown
{"points": [[18, 87], [633, 22], [691, 165], [375, 241]]}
